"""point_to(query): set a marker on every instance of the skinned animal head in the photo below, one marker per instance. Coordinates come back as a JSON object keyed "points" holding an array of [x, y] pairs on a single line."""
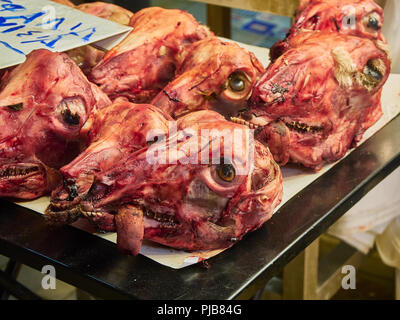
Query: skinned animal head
{"points": [[114, 132], [146, 60], [215, 75], [86, 57], [317, 99], [362, 18], [202, 187], [44, 103]]}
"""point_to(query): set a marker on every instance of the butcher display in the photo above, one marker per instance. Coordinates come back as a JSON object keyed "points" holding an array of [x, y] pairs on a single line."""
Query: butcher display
{"points": [[203, 187], [176, 136], [318, 98], [144, 62], [215, 75], [44, 103], [363, 18]]}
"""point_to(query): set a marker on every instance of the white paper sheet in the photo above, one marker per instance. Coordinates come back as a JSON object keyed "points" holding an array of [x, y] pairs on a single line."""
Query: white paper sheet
{"points": [[295, 179], [26, 25]]}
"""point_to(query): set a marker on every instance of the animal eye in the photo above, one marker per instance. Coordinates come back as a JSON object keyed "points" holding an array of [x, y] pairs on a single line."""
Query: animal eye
{"points": [[70, 110], [371, 70], [373, 21], [226, 172], [237, 81], [155, 139], [69, 118], [16, 107], [151, 142]]}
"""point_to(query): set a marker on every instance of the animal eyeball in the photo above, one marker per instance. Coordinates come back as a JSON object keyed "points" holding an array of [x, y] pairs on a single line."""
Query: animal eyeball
{"points": [[372, 70], [16, 107], [237, 82], [226, 172], [69, 118], [70, 110], [372, 22], [154, 140]]}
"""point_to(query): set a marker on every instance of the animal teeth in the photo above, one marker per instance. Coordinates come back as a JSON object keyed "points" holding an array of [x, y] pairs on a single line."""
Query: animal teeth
{"points": [[149, 214], [303, 127], [89, 214], [160, 217], [15, 172], [86, 214], [244, 122]]}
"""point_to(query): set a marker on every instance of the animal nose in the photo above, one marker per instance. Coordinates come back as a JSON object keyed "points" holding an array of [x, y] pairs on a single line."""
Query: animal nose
{"points": [[72, 192]]}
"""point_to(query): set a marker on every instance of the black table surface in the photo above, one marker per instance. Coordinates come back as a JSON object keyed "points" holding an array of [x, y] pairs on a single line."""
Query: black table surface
{"points": [[95, 265]]}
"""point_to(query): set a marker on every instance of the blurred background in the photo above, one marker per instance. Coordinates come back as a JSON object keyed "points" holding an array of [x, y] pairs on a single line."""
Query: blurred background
{"points": [[255, 28]]}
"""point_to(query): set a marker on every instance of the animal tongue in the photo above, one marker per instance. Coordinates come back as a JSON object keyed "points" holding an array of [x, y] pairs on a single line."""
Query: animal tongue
{"points": [[130, 230]]}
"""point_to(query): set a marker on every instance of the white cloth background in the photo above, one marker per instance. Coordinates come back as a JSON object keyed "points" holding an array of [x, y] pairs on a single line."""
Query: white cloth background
{"points": [[388, 244], [375, 215]]}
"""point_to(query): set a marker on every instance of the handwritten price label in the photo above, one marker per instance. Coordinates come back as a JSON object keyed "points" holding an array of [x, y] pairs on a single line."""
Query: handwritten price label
{"points": [[26, 25]]}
